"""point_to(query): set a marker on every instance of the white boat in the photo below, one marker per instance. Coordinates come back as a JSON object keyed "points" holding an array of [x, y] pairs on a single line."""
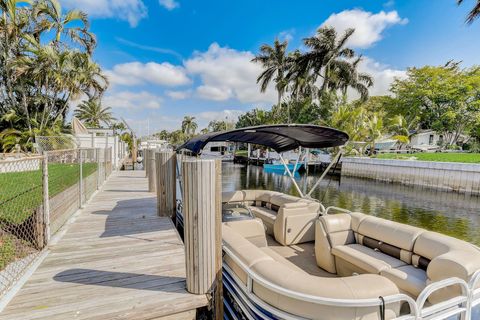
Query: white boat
{"points": [[290, 257]]}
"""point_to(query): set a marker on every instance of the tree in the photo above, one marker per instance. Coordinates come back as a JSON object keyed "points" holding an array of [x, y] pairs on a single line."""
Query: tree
{"points": [[45, 62], [274, 62], [327, 54], [474, 13], [374, 130], [254, 117], [50, 16], [219, 125], [94, 114], [445, 99], [189, 125]]}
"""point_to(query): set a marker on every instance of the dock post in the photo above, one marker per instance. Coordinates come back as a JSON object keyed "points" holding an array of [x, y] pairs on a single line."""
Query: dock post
{"points": [[46, 202], [166, 171], [218, 293], [151, 170], [202, 219]]}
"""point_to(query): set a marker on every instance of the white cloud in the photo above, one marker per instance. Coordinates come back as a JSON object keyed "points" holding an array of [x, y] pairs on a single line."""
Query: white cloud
{"points": [[214, 93], [368, 26], [227, 115], [286, 35], [132, 100], [169, 4], [228, 74], [178, 95], [129, 10], [136, 73], [383, 77]]}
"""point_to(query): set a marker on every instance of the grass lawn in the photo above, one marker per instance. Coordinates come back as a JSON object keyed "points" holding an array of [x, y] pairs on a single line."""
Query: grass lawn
{"points": [[243, 153], [21, 192], [437, 156]]}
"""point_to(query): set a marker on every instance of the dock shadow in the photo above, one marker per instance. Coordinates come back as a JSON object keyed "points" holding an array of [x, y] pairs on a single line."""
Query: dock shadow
{"points": [[132, 217], [124, 280]]}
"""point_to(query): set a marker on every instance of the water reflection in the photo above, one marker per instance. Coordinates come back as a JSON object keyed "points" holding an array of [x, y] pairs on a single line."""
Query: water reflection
{"points": [[454, 214]]}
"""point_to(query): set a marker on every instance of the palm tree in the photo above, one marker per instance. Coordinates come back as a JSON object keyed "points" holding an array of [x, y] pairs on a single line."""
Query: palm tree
{"points": [[189, 125], [93, 113], [474, 13], [274, 63], [327, 53], [346, 75], [374, 127], [51, 17]]}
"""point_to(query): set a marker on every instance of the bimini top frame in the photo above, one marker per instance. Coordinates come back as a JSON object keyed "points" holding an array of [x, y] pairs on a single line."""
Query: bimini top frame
{"points": [[281, 138]]}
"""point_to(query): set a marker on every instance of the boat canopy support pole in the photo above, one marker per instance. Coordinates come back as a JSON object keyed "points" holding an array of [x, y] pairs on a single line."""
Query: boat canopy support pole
{"points": [[337, 157], [291, 176]]}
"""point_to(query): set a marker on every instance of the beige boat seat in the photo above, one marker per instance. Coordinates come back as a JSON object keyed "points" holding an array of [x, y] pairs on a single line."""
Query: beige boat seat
{"points": [[289, 219], [277, 270], [354, 243]]}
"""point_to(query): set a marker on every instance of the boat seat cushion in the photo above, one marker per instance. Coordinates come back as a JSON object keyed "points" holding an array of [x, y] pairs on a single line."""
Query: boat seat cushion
{"points": [[277, 257], [253, 230], [393, 238], [365, 260], [407, 278], [268, 217]]}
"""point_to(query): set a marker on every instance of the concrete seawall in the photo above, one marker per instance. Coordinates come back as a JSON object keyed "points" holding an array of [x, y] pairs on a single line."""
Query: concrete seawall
{"points": [[448, 176]]}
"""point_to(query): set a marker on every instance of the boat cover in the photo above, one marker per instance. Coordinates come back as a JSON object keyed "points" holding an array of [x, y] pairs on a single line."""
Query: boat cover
{"points": [[281, 137]]}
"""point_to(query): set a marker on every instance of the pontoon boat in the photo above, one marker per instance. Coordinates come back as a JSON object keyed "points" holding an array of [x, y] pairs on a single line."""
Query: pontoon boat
{"points": [[290, 257]]}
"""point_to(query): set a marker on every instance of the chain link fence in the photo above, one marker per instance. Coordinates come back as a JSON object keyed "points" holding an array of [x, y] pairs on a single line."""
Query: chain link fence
{"points": [[21, 216], [50, 143], [37, 196]]}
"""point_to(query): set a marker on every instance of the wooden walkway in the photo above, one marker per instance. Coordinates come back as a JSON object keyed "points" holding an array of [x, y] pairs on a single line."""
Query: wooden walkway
{"points": [[117, 260]]}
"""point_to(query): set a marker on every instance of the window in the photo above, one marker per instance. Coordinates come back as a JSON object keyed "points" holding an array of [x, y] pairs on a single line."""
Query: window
{"points": [[430, 139]]}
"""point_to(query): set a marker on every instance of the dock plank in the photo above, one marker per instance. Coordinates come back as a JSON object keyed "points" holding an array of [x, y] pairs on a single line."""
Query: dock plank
{"points": [[117, 260]]}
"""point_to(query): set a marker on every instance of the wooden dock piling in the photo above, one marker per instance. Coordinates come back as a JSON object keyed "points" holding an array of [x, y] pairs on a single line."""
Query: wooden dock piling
{"points": [[151, 175], [202, 218], [166, 171]]}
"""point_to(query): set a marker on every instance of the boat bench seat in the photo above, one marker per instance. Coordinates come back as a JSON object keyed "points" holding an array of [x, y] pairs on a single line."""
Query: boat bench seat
{"points": [[355, 243], [277, 270], [289, 219]]}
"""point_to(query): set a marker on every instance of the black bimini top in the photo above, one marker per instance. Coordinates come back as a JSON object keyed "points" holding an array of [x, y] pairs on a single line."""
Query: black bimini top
{"points": [[281, 138]]}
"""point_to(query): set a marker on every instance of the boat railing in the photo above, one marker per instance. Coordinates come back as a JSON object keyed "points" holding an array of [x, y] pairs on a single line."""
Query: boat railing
{"points": [[474, 285], [326, 211], [458, 305], [420, 309]]}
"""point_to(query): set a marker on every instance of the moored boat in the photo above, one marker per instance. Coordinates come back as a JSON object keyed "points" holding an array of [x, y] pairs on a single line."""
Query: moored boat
{"points": [[289, 257]]}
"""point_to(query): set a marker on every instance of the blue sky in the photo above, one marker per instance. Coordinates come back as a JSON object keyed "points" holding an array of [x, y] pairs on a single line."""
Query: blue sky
{"points": [[170, 58]]}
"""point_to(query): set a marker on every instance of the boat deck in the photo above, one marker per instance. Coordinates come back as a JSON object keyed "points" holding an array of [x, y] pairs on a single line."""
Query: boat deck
{"points": [[301, 255], [116, 260]]}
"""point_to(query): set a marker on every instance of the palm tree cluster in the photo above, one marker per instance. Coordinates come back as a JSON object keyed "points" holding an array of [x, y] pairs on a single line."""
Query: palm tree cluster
{"points": [[327, 67], [45, 63]]}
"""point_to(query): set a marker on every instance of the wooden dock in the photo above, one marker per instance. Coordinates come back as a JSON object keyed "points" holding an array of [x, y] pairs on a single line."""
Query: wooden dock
{"points": [[116, 260]]}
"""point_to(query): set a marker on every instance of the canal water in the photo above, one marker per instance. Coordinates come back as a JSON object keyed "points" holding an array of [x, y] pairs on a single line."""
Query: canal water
{"points": [[450, 213]]}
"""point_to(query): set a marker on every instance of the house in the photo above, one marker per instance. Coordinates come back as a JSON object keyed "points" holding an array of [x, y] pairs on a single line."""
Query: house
{"points": [[426, 140]]}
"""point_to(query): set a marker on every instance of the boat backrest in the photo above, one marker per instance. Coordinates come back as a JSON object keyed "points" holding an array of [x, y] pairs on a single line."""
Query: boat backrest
{"points": [[294, 217]]}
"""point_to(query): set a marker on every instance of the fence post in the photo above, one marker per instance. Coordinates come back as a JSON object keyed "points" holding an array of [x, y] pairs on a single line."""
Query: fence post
{"points": [[97, 154], [201, 217], [166, 171], [115, 152], [46, 201], [81, 176], [105, 164]]}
